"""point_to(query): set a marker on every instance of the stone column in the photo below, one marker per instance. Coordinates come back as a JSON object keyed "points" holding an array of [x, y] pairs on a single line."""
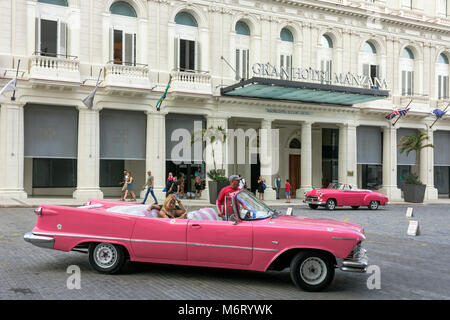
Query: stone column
{"points": [[88, 158], [219, 161], [306, 161], [12, 151], [155, 159], [427, 167], [317, 157], [390, 188], [269, 157], [347, 154]]}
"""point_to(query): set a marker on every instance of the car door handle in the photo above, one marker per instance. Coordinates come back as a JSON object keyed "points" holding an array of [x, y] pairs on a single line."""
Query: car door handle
{"points": [[195, 226]]}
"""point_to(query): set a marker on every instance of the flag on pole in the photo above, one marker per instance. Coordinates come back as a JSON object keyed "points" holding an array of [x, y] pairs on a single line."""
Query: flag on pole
{"points": [[160, 101], [10, 86], [89, 100], [439, 113], [395, 113]]}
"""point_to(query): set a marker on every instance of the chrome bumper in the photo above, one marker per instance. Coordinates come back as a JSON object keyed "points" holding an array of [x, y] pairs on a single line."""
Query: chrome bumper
{"points": [[314, 201], [356, 262], [39, 241]]}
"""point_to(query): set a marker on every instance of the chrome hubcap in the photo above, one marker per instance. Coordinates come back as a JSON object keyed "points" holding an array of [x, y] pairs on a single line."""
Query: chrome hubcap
{"points": [[374, 205], [105, 255], [313, 271], [331, 205]]}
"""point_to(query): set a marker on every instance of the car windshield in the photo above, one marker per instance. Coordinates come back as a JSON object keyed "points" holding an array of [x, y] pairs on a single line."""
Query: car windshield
{"points": [[335, 185], [342, 186], [250, 208]]}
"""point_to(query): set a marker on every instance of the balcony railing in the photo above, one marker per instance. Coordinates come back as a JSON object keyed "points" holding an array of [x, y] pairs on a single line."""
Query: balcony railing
{"points": [[191, 81], [127, 75], [54, 67]]}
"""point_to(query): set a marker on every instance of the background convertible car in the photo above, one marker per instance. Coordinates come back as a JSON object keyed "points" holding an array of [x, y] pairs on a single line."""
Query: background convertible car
{"points": [[339, 194], [253, 237]]}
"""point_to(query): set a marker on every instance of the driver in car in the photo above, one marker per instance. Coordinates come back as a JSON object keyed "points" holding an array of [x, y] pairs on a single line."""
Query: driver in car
{"points": [[233, 187]]}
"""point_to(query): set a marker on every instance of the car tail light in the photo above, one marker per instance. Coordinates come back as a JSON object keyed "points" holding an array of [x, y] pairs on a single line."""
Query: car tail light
{"points": [[38, 211]]}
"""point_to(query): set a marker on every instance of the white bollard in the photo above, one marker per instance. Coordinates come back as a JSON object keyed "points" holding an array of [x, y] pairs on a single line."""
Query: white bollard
{"points": [[289, 212]]}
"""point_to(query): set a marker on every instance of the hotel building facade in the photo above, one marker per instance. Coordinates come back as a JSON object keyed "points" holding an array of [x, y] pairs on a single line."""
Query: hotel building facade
{"points": [[324, 73]]}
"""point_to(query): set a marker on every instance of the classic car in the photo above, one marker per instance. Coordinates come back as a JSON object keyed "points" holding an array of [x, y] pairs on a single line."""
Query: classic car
{"points": [[340, 194], [249, 236]]}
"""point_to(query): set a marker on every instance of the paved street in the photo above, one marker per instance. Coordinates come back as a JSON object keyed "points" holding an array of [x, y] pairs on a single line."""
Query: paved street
{"points": [[411, 267]]}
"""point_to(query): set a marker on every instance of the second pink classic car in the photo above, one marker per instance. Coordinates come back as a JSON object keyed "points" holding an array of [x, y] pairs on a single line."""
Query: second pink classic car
{"points": [[340, 194], [252, 236]]}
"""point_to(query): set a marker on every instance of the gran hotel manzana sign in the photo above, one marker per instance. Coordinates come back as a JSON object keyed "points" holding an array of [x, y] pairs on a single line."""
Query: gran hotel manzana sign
{"points": [[313, 75]]}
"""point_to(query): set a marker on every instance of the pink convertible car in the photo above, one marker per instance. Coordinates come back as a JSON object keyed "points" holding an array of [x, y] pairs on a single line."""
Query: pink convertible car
{"points": [[251, 237], [339, 194]]}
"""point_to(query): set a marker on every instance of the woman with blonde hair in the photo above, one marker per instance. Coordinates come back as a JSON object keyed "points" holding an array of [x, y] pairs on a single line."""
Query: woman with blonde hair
{"points": [[169, 209]]}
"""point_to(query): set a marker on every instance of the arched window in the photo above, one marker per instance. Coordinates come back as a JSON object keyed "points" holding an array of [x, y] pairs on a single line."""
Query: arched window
{"points": [[326, 56], [369, 48], [370, 66], [407, 68], [286, 53], [55, 2], [443, 59], [123, 33], [242, 28], [442, 71], [123, 8], [187, 51], [295, 144], [407, 54], [327, 42], [286, 35], [242, 50], [185, 19]]}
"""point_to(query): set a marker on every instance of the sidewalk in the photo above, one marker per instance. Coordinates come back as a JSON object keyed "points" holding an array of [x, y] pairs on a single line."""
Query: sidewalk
{"points": [[33, 202]]}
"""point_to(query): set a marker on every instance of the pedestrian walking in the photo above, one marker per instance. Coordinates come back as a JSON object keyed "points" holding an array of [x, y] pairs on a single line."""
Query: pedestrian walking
{"points": [[182, 182], [124, 184], [149, 184], [130, 187]]}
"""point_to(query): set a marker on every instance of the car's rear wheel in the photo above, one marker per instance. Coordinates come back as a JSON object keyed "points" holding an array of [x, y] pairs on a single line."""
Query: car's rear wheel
{"points": [[373, 205], [312, 271], [106, 257], [355, 207], [313, 206], [331, 204]]}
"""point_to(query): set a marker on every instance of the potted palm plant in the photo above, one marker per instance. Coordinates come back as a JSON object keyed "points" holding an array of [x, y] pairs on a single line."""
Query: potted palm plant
{"points": [[213, 136], [414, 189]]}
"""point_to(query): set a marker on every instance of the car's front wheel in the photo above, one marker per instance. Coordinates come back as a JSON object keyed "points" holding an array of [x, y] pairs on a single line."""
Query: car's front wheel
{"points": [[373, 205], [106, 257], [331, 204], [312, 271]]}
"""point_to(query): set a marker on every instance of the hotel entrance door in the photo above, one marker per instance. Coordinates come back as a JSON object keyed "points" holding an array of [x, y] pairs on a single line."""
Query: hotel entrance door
{"points": [[294, 173]]}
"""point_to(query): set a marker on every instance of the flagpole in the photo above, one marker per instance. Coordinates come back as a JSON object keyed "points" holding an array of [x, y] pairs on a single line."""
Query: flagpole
{"points": [[13, 98], [439, 118], [400, 115]]}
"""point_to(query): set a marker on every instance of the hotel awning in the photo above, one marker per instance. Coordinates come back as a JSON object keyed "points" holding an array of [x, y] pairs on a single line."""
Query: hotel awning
{"points": [[277, 89]]}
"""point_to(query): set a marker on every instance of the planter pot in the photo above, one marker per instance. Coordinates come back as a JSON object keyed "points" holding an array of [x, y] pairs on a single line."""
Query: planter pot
{"points": [[414, 192], [214, 189]]}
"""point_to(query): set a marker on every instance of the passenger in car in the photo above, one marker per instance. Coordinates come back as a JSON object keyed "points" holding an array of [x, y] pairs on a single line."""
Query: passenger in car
{"points": [[170, 210]]}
